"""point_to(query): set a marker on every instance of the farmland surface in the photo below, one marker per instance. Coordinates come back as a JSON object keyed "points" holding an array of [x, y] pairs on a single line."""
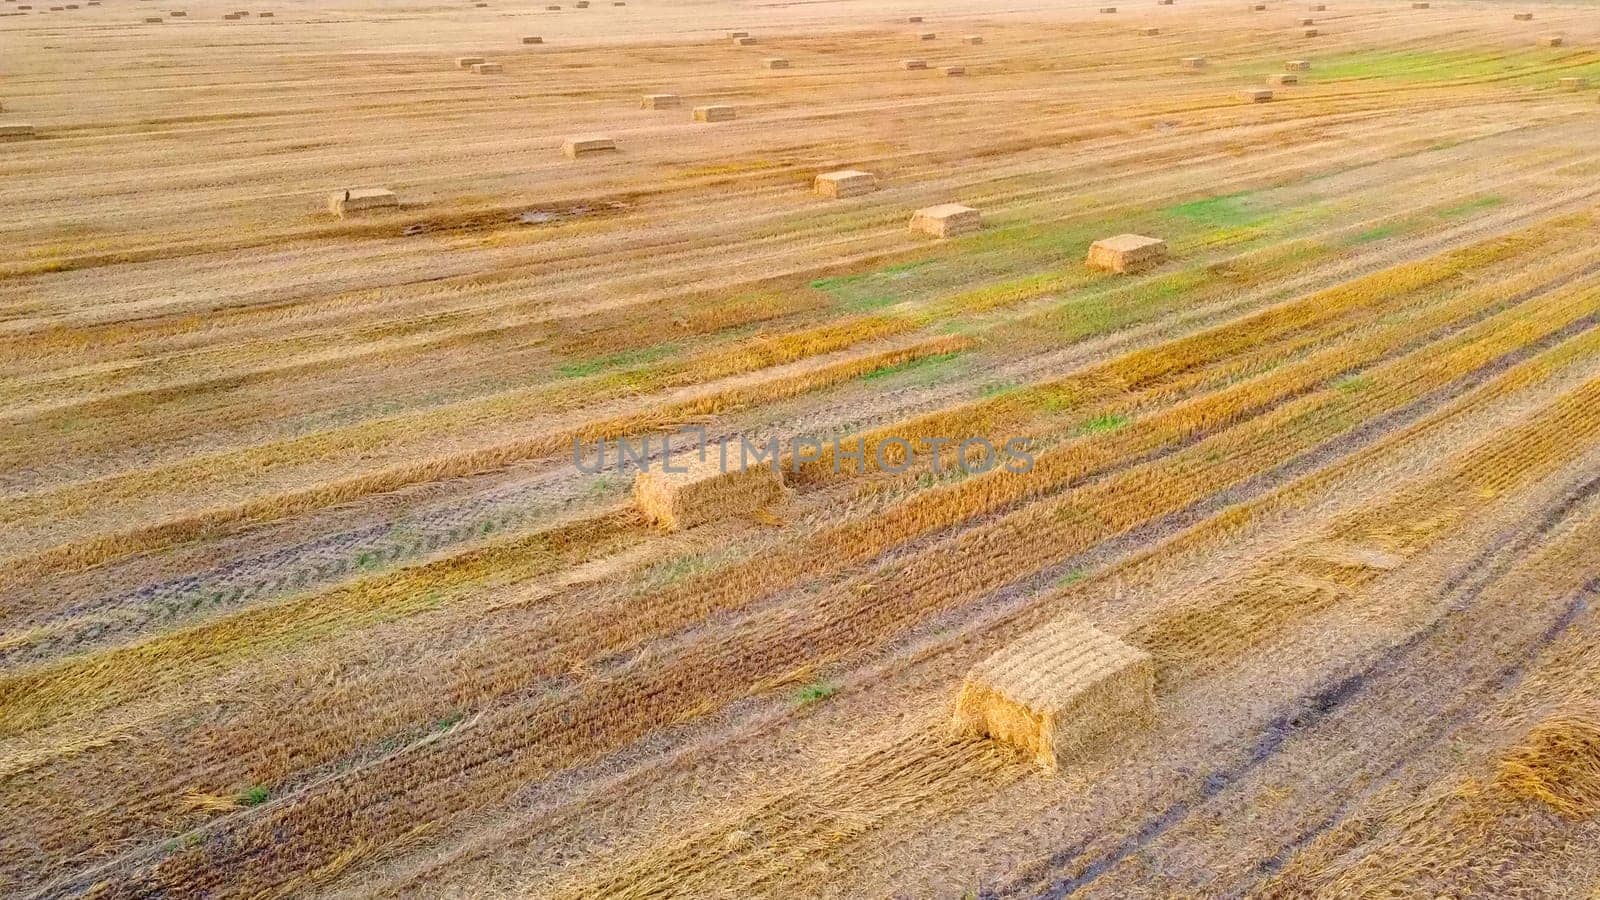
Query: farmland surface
{"points": [[302, 593]]}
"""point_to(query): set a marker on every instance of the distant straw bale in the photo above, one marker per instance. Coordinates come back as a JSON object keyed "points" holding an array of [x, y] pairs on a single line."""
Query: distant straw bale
{"points": [[972, 39], [1126, 253], [1058, 693], [17, 131], [579, 145], [1149, 32], [467, 62], [909, 64], [954, 71], [844, 183], [359, 200], [1552, 41], [533, 39], [707, 491], [1194, 62], [659, 101], [776, 62], [1284, 78], [1522, 17], [716, 113], [488, 68], [946, 220], [1573, 83], [1256, 95], [1298, 65]]}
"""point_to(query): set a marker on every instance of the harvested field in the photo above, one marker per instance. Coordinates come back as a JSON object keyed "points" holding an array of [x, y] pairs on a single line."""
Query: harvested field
{"points": [[415, 484]]}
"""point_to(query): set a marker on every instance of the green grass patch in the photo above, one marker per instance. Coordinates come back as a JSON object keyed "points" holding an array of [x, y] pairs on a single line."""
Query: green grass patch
{"points": [[1117, 305], [1072, 578], [1382, 232], [1525, 68], [815, 692], [1352, 384], [1477, 204], [252, 796], [1102, 424], [671, 571], [1225, 212], [927, 367], [586, 367], [872, 290], [1417, 65], [1423, 219]]}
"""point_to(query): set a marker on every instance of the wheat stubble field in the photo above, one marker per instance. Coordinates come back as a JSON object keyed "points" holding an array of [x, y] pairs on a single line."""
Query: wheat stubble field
{"points": [[302, 593]]}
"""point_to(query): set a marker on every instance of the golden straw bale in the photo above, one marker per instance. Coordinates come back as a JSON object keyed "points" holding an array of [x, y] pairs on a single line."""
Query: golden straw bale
{"points": [[705, 492], [1058, 692], [1126, 253], [718, 113], [844, 183], [356, 200], [578, 145], [946, 220]]}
